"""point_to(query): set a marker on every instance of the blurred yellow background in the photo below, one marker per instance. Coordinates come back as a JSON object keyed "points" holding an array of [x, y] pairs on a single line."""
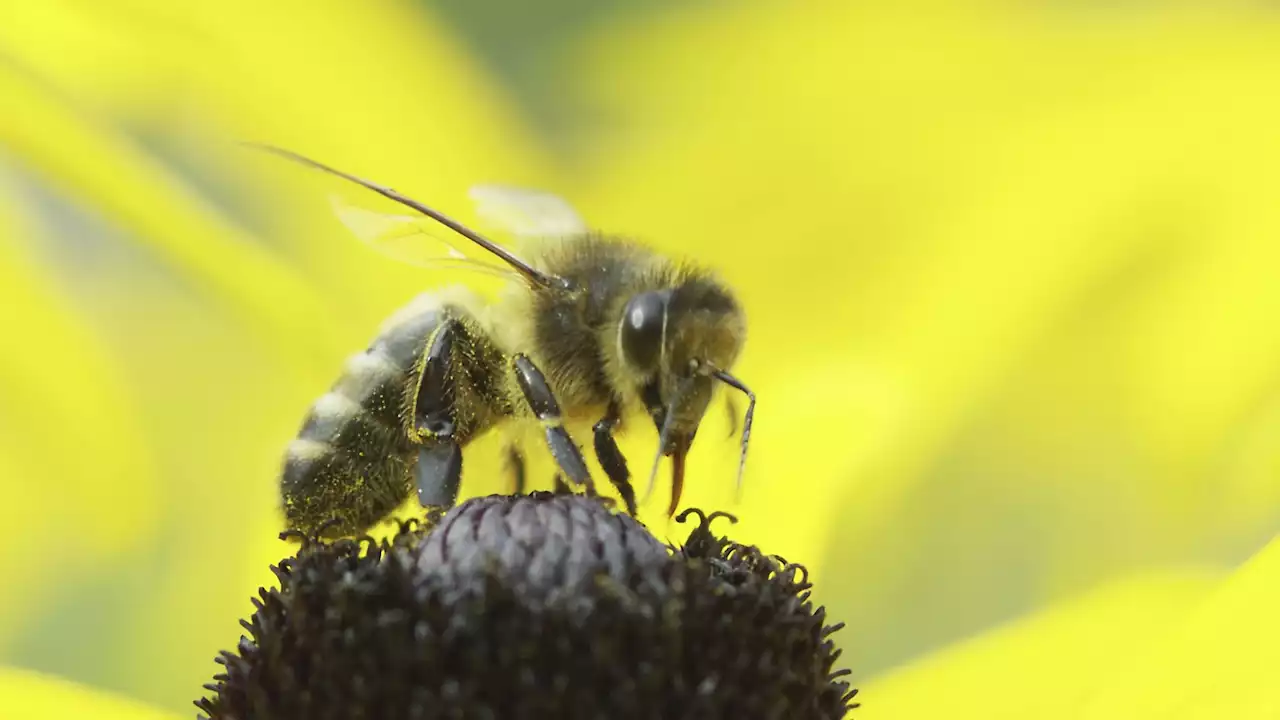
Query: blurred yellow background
{"points": [[1010, 268]]}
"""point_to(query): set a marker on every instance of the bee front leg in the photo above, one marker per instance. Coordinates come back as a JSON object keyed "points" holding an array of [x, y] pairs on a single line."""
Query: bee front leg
{"points": [[439, 469], [544, 405], [611, 459]]}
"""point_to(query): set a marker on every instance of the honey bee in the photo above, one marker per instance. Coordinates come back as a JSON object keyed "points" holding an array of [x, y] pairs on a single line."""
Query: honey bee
{"points": [[590, 327]]}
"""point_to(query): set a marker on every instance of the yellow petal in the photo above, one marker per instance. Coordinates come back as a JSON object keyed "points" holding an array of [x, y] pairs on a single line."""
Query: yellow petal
{"points": [[73, 458], [189, 85], [27, 694], [84, 156], [1219, 662], [1027, 253], [1045, 666], [133, 115]]}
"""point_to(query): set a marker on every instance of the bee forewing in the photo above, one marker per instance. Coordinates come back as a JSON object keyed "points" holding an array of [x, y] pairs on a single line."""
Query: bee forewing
{"points": [[409, 239], [526, 213]]}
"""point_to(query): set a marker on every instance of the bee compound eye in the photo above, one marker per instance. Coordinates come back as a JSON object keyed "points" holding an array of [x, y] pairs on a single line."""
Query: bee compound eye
{"points": [[642, 329]]}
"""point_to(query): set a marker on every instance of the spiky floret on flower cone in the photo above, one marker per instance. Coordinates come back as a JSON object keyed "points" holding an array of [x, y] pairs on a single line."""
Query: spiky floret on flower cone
{"points": [[537, 606]]}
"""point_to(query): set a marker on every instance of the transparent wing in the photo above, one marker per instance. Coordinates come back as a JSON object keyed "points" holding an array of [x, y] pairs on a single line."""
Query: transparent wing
{"points": [[414, 239], [526, 213]]}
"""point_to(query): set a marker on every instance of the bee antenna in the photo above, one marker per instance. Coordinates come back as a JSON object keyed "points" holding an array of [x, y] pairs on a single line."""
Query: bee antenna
{"points": [[737, 384]]}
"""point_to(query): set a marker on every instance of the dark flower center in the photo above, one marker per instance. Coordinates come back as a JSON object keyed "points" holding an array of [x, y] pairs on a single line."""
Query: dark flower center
{"points": [[537, 606]]}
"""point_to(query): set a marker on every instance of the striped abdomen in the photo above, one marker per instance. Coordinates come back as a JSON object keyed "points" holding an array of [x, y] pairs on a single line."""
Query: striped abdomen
{"points": [[353, 459]]}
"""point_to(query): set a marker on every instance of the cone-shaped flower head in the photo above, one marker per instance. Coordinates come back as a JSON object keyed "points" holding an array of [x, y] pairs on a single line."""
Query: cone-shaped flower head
{"points": [[539, 606]]}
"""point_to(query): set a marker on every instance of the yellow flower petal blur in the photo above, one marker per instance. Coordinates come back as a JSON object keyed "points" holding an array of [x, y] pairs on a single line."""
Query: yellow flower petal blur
{"points": [[96, 162], [25, 694], [1043, 233], [216, 278], [1008, 267], [71, 438], [1046, 666], [1186, 644], [1219, 662]]}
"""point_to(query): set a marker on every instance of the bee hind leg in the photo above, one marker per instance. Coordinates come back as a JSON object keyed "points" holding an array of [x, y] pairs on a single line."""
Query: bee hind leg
{"points": [[438, 474], [544, 405], [611, 459], [439, 468]]}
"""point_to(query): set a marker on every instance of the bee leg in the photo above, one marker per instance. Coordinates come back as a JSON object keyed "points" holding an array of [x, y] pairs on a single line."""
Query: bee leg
{"points": [[438, 474], [439, 469], [558, 485], [544, 405], [611, 459], [515, 464]]}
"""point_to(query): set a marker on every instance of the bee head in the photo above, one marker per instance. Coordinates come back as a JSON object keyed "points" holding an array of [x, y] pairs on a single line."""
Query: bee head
{"points": [[672, 342]]}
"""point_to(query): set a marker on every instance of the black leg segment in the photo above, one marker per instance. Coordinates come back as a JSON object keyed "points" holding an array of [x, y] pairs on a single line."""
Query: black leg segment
{"points": [[611, 459], [439, 469], [432, 416], [438, 474], [544, 405]]}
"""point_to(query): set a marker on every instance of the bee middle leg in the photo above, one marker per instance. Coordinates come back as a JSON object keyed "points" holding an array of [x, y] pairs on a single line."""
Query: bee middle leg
{"points": [[611, 459], [543, 403]]}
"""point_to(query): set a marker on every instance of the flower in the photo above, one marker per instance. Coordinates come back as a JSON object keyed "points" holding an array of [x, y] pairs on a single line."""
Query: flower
{"points": [[533, 606]]}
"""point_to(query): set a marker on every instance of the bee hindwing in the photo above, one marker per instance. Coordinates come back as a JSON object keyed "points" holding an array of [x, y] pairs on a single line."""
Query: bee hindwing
{"points": [[527, 214], [412, 239]]}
